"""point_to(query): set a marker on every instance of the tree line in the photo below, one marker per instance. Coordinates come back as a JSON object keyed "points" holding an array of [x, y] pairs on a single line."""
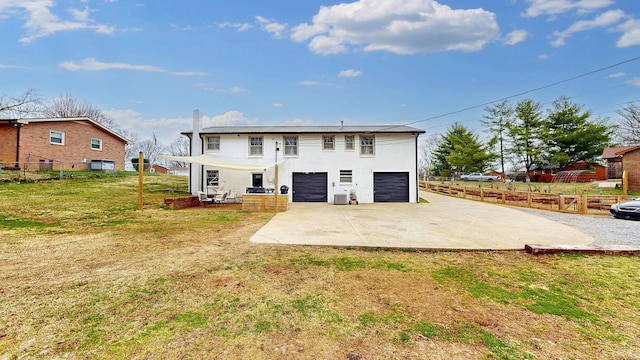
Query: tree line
{"points": [[32, 104], [522, 136]]}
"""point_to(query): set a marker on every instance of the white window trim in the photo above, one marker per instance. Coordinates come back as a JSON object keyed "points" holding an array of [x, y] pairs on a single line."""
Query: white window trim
{"points": [[261, 154], [353, 143], [333, 142], [373, 146], [296, 146], [62, 137], [99, 142], [214, 179], [213, 137]]}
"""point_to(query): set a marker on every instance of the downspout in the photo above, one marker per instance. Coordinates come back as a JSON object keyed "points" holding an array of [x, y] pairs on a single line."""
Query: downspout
{"points": [[417, 173]]}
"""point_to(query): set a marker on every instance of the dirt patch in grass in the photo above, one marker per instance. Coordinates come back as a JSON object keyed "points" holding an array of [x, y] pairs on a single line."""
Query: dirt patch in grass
{"points": [[188, 283]]}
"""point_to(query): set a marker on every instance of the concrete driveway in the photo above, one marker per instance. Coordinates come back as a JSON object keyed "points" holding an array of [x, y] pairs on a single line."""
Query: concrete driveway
{"points": [[443, 223]]}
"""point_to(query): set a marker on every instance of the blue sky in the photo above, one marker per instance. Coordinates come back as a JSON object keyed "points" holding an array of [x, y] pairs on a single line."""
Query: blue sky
{"points": [[149, 64]]}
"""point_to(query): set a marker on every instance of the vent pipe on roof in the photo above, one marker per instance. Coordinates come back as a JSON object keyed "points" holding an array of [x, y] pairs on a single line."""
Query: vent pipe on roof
{"points": [[341, 124]]}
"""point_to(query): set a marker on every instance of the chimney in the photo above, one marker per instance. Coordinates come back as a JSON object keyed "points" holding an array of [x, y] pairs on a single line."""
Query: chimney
{"points": [[197, 127], [341, 124], [195, 173]]}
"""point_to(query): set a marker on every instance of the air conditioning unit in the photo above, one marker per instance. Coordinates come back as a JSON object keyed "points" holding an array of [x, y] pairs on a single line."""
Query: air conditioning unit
{"points": [[340, 199]]}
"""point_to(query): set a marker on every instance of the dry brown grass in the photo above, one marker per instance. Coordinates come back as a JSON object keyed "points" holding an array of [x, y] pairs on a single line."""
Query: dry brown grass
{"points": [[105, 283]]}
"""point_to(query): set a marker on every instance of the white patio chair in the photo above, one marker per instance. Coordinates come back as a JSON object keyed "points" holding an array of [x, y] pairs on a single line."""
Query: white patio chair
{"points": [[232, 197], [204, 199], [220, 198]]}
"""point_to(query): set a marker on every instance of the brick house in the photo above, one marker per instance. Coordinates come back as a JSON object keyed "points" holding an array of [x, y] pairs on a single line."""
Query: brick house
{"points": [[613, 156], [47, 143], [631, 164]]}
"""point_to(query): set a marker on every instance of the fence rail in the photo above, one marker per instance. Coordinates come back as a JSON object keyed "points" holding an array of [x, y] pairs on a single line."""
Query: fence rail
{"points": [[575, 204], [36, 171]]}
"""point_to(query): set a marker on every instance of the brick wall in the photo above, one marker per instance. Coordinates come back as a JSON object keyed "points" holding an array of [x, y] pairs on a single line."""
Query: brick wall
{"points": [[631, 164], [7, 143], [181, 202], [35, 141]]}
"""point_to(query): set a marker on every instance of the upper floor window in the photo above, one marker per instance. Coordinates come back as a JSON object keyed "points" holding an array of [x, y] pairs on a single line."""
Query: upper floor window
{"points": [[367, 145], [291, 145], [96, 144], [348, 142], [213, 143], [255, 146], [328, 142], [56, 137]]}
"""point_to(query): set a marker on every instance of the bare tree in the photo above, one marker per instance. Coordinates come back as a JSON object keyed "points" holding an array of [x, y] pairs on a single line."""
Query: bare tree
{"points": [[180, 147], [67, 106], [150, 149], [428, 145], [630, 125], [26, 104], [131, 150]]}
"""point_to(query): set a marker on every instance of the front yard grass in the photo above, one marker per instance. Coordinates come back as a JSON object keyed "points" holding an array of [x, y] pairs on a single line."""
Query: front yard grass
{"points": [[86, 275]]}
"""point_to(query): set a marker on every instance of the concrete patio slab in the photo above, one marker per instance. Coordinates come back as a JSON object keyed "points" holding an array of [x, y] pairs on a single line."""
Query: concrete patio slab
{"points": [[442, 223]]}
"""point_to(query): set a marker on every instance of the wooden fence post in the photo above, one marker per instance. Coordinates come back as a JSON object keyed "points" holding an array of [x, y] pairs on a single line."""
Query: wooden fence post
{"points": [[560, 202]]}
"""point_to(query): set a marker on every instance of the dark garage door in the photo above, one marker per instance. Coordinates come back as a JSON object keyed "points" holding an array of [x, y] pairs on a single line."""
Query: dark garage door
{"points": [[309, 187], [391, 187]]}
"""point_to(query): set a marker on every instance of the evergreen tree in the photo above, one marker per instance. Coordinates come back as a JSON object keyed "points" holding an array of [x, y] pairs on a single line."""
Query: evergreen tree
{"points": [[569, 137], [460, 151]]}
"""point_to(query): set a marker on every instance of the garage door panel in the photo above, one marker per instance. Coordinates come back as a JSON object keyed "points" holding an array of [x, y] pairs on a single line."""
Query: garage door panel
{"points": [[309, 187], [391, 187]]}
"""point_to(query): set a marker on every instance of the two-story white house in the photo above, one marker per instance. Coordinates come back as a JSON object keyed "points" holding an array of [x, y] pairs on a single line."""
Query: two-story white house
{"points": [[316, 163]]}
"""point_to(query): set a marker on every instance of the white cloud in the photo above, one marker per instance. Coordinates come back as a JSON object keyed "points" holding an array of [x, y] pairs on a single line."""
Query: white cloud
{"points": [[397, 26], [278, 105], [229, 118], [238, 26], [605, 19], [543, 57], [616, 75], [350, 73], [231, 90], [326, 45], [557, 7], [297, 122], [190, 73], [2, 66], [42, 22], [631, 33], [516, 36], [92, 64], [314, 83], [274, 28], [635, 81]]}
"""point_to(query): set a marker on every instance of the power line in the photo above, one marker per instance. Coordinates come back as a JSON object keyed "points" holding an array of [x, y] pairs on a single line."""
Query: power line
{"points": [[523, 92]]}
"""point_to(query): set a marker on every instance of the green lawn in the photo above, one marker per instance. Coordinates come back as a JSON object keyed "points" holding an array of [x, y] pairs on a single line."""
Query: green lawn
{"points": [[84, 274]]}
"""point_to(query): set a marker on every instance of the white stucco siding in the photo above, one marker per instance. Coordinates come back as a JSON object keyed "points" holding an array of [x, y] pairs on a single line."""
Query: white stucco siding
{"points": [[393, 153]]}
